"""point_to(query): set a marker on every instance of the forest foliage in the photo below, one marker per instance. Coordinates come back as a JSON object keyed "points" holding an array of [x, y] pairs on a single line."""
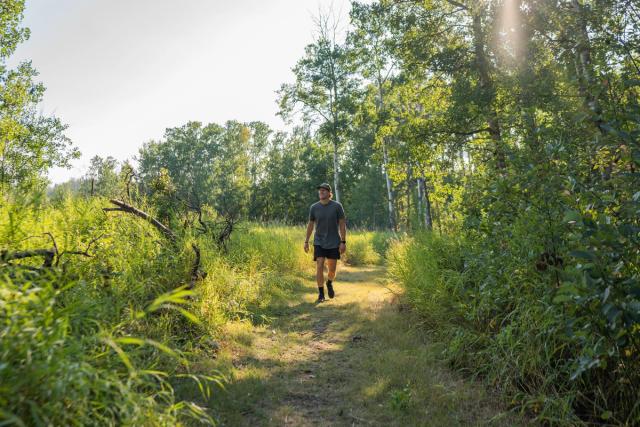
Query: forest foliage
{"points": [[501, 136]]}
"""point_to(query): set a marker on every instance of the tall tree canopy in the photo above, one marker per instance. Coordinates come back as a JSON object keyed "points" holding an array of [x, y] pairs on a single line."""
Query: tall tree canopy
{"points": [[323, 89], [30, 143]]}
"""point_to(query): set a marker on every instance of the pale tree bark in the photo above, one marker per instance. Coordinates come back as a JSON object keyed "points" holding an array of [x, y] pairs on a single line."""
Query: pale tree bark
{"points": [[409, 181], [390, 199], [425, 203], [584, 67], [486, 84], [336, 173], [420, 201], [385, 161], [428, 219]]}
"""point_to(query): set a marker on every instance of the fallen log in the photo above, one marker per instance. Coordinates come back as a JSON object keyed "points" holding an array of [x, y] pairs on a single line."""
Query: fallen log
{"points": [[47, 254], [196, 272], [124, 207]]}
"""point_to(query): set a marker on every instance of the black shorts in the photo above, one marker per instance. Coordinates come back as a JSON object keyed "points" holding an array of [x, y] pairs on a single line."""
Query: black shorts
{"points": [[320, 252]]}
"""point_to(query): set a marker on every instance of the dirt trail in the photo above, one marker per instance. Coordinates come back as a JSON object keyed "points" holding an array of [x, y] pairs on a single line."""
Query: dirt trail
{"points": [[353, 360]]}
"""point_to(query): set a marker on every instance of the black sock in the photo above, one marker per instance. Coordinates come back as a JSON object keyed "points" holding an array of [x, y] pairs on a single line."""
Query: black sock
{"points": [[330, 288], [321, 292]]}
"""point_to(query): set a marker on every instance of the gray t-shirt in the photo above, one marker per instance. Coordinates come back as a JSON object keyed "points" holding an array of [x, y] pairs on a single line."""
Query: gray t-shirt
{"points": [[326, 218]]}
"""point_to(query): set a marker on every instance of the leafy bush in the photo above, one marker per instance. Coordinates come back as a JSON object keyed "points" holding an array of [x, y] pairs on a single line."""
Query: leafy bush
{"points": [[366, 247], [512, 324], [106, 333]]}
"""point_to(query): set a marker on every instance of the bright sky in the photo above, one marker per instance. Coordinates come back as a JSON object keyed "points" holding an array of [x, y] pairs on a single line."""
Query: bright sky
{"points": [[119, 72]]}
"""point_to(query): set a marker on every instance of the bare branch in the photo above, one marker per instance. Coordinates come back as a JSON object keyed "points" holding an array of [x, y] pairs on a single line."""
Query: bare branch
{"points": [[124, 207], [47, 254]]}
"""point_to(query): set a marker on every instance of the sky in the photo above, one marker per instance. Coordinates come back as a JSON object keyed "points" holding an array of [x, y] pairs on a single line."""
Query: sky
{"points": [[119, 72]]}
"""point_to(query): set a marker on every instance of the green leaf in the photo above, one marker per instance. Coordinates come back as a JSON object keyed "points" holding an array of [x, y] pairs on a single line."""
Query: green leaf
{"points": [[561, 298], [571, 217], [129, 340], [586, 255], [612, 313], [569, 288]]}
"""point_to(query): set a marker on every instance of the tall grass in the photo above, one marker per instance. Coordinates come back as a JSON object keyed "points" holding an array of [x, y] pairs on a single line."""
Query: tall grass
{"points": [[90, 340], [103, 338], [105, 334], [366, 247], [497, 318]]}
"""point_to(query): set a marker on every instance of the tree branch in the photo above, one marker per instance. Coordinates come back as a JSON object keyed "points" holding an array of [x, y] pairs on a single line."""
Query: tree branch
{"points": [[124, 207], [47, 254]]}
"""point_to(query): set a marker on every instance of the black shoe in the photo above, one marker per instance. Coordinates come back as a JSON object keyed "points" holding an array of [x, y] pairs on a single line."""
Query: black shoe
{"points": [[320, 299], [320, 295], [330, 289]]}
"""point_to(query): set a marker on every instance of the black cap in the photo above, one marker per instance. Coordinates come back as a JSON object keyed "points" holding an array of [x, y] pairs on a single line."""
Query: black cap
{"points": [[325, 186]]}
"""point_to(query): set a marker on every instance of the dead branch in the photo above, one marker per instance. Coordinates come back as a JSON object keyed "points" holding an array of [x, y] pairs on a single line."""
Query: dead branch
{"points": [[130, 173], [47, 254], [225, 232], [55, 247], [84, 253], [196, 272], [124, 207]]}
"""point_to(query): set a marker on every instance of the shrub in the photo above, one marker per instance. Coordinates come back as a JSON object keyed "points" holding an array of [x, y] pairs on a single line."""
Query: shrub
{"points": [[503, 320], [366, 247], [101, 337]]}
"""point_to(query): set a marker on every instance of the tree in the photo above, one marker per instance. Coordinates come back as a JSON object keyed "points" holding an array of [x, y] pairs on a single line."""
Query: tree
{"points": [[371, 45], [101, 178], [204, 165], [30, 144], [323, 89]]}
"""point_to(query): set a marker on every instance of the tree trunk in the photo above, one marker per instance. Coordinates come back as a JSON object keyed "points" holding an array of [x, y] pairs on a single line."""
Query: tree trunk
{"points": [[336, 172], [390, 205], [385, 159], [488, 90], [419, 202], [426, 203], [584, 68], [409, 182]]}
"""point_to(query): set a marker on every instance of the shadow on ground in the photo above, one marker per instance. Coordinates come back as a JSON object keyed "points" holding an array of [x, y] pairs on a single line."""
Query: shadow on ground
{"points": [[354, 360]]}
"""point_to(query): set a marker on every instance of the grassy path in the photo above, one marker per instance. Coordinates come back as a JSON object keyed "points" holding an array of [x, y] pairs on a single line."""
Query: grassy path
{"points": [[353, 360]]}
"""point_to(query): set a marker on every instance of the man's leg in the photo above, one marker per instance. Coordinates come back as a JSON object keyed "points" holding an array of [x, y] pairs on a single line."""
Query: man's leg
{"points": [[332, 264], [320, 277]]}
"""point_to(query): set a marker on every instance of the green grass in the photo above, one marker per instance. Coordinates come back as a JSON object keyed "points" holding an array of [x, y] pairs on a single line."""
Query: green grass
{"points": [[366, 247], [357, 359], [495, 318], [84, 341]]}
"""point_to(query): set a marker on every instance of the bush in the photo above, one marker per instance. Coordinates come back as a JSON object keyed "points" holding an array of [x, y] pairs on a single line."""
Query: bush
{"points": [[104, 335], [366, 247], [502, 320], [83, 341]]}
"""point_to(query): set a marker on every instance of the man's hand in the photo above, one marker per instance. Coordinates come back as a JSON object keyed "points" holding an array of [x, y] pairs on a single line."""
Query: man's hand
{"points": [[306, 247], [343, 248]]}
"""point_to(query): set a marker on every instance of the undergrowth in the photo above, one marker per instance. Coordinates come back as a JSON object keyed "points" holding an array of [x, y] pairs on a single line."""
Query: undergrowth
{"points": [[107, 333], [503, 318]]}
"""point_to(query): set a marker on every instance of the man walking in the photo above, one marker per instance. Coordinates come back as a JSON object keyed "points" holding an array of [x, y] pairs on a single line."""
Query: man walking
{"points": [[330, 239]]}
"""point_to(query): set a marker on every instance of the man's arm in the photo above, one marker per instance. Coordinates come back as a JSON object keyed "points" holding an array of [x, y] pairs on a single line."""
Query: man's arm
{"points": [[343, 234], [309, 231]]}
